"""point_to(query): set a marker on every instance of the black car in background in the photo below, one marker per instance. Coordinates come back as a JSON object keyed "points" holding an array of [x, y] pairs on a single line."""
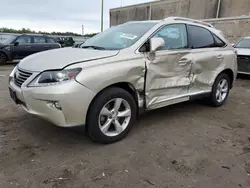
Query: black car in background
{"points": [[16, 47], [65, 41]]}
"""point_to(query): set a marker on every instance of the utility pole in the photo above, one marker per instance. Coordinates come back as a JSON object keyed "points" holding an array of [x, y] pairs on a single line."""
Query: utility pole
{"points": [[82, 30], [218, 9], [150, 11], [102, 16]]}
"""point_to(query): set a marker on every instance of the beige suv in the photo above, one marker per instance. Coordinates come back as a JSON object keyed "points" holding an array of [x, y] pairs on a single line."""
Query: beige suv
{"points": [[131, 67]]}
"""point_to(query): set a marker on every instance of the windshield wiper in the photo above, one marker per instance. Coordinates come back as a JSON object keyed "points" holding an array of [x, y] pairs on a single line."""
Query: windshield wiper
{"points": [[95, 47]]}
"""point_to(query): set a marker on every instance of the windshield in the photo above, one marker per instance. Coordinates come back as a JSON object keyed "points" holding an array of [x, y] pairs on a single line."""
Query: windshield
{"points": [[6, 39], [245, 43], [119, 37]]}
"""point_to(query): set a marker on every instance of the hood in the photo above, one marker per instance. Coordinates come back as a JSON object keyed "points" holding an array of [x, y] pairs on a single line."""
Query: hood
{"points": [[243, 51], [2, 45], [60, 58]]}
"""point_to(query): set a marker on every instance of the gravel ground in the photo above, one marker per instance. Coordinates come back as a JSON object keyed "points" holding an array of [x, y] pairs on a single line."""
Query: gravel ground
{"points": [[189, 145]]}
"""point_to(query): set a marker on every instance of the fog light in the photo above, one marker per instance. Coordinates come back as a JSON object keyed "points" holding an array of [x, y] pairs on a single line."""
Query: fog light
{"points": [[57, 105]]}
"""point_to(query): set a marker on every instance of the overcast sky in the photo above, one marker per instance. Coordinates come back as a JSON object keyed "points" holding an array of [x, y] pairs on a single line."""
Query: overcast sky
{"points": [[58, 15]]}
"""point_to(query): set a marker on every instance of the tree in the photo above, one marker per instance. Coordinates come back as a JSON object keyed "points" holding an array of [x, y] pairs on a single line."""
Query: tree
{"points": [[27, 30]]}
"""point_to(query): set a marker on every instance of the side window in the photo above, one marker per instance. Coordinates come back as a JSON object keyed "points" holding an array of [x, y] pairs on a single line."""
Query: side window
{"points": [[219, 42], [174, 35], [24, 40], [200, 37], [39, 40], [52, 41]]}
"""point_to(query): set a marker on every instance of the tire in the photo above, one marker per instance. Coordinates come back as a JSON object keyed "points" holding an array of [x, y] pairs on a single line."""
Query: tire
{"points": [[3, 58], [105, 121], [220, 94]]}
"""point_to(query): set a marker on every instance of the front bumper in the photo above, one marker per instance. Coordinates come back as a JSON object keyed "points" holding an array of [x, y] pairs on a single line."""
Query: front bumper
{"points": [[73, 98]]}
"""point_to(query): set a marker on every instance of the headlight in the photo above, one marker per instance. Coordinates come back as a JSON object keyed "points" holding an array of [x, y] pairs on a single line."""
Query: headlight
{"points": [[49, 78]]}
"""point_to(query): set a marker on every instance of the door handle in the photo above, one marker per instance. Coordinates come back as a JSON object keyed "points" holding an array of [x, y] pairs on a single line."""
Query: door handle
{"points": [[183, 62], [27, 46], [220, 57], [46, 46]]}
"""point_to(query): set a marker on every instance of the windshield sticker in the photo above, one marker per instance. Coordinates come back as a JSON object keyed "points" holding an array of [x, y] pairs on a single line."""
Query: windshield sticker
{"points": [[128, 36]]}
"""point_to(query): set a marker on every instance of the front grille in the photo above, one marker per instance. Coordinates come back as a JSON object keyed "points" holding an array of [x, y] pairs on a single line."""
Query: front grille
{"points": [[21, 76], [244, 63]]}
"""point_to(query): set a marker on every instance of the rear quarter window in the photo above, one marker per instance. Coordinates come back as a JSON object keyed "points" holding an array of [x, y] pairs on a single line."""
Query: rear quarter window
{"points": [[219, 42], [200, 37]]}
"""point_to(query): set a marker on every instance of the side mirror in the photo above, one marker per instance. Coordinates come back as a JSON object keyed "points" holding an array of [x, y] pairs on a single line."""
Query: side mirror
{"points": [[156, 43], [16, 43], [233, 45]]}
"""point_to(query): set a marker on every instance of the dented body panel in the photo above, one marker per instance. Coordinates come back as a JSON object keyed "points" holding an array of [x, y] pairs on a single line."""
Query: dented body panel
{"points": [[105, 72], [207, 64], [174, 75], [167, 77]]}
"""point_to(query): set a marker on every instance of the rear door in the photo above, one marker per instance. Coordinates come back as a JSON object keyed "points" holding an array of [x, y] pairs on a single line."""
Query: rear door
{"points": [[208, 57], [21, 47], [40, 44], [53, 44]]}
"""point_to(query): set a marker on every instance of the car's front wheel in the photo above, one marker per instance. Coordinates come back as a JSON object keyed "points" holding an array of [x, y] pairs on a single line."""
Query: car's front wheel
{"points": [[111, 115], [3, 58]]}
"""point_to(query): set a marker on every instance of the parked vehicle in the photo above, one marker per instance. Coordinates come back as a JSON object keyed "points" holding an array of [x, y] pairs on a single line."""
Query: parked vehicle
{"points": [[243, 51], [137, 66], [78, 44], [16, 47], [65, 41]]}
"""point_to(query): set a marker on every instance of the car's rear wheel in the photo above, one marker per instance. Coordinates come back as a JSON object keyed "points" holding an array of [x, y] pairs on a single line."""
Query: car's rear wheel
{"points": [[111, 115], [3, 58], [220, 90]]}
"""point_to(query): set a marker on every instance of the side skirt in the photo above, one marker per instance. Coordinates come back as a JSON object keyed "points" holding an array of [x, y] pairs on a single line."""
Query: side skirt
{"points": [[179, 99]]}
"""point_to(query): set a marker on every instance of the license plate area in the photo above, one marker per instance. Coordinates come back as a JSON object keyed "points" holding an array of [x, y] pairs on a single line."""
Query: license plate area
{"points": [[13, 96]]}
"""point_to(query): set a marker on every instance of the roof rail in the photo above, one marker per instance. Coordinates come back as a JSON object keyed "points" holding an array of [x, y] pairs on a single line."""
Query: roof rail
{"points": [[190, 20]]}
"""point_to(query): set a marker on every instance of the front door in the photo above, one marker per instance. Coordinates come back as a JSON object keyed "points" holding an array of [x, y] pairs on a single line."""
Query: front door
{"points": [[21, 47], [168, 69]]}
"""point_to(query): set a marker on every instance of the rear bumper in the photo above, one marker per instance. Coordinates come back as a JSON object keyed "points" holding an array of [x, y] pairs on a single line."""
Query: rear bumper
{"points": [[241, 72], [64, 105]]}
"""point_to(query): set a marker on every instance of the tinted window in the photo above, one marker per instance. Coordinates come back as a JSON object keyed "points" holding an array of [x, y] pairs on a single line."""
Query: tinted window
{"points": [[245, 43], [200, 37], [219, 42], [39, 40], [121, 36], [50, 40], [174, 35], [24, 40], [6, 39]]}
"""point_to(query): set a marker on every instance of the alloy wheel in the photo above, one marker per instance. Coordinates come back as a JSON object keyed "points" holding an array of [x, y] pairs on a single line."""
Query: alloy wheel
{"points": [[222, 90], [114, 117]]}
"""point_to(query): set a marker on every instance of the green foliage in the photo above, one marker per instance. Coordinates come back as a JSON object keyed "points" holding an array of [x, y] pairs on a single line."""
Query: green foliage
{"points": [[90, 35], [27, 30]]}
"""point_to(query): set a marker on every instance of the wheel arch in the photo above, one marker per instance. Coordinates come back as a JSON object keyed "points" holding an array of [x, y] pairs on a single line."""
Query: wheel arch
{"points": [[230, 74], [123, 85], [5, 53]]}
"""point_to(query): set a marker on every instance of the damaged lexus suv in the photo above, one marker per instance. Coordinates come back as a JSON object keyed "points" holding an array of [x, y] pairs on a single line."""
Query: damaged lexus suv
{"points": [[128, 68]]}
